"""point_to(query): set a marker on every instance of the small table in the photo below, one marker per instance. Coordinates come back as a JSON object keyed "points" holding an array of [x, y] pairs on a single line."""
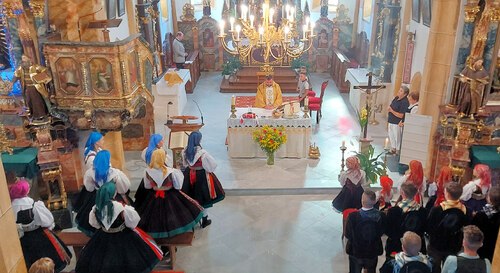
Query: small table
{"points": [[23, 162]]}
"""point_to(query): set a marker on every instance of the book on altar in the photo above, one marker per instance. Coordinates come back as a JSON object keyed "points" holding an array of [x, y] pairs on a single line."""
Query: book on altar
{"points": [[178, 140], [291, 108]]}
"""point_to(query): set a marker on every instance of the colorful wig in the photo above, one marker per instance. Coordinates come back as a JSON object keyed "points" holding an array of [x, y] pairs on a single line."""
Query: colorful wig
{"points": [[154, 140], [101, 167], [91, 141], [445, 176], [19, 189], [417, 178], [158, 160], [482, 172], [193, 141], [386, 184], [103, 199]]}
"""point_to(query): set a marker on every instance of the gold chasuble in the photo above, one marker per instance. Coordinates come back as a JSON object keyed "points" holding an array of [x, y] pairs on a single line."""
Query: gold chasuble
{"points": [[265, 97]]}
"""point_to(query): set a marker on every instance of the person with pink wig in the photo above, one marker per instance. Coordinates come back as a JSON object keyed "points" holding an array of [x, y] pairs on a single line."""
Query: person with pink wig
{"points": [[475, 192], [352, 182], [34, 224]]}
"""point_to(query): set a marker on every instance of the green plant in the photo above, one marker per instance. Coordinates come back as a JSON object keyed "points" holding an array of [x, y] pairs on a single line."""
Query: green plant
{"points": [[232, 65], [371, 165], [299, 62], [226, 69]]}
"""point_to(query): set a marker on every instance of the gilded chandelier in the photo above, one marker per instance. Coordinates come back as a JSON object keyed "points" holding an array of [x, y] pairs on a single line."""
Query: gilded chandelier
{"points": [[276, 39]]}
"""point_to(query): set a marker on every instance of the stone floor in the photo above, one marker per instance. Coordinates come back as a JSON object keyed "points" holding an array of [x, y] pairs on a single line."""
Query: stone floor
{"points": [[275, 218]]}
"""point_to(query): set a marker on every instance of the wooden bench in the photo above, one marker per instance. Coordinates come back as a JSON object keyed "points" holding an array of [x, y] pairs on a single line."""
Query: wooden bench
{"points": [[78, 240]]}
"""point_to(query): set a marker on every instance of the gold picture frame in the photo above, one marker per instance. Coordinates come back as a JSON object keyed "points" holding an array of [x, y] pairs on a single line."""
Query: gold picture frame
{"points": [[164, 10], [367, 10]]}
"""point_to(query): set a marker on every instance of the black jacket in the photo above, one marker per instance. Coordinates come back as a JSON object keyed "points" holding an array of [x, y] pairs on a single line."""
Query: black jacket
{"points": [[364, 230]]}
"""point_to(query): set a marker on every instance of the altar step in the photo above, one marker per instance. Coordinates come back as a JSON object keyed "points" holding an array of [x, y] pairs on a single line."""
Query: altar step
{"points": [[247, 79]]}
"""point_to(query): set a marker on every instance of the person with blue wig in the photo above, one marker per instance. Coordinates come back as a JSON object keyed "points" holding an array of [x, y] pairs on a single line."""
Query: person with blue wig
{"points": [[117, 245], [94, 144], [155, 142], [95, 178], [200, 183]]}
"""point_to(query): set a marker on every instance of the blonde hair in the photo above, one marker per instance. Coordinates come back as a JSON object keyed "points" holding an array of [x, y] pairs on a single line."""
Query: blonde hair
{"points": [[411, 243], [42, 265], [158, 160]]}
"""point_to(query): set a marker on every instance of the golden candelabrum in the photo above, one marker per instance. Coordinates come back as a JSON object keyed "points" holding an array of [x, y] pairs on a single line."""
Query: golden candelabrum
{"points": [[276, 39]]}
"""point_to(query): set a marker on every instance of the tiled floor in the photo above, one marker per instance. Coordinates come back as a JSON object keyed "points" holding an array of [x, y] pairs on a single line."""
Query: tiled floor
{"points": [[269, 232]]}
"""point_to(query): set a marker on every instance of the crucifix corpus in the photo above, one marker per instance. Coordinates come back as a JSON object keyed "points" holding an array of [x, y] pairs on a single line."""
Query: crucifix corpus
{"points": [[368, 90]]}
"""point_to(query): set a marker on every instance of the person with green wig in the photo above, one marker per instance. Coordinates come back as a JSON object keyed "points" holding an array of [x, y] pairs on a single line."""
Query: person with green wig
{"points": [[117, 245]]}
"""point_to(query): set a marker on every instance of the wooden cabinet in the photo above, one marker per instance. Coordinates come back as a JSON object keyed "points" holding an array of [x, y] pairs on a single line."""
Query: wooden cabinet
{"points": [[193, 64], [340, 63]]}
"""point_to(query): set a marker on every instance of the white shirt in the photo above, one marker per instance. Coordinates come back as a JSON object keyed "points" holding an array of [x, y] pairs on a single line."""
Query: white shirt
{"points": [[413, 108], [207, 161], [41, 215], [450, 265], [130, 216], [157, 177], [470, 188], [121, 180]]}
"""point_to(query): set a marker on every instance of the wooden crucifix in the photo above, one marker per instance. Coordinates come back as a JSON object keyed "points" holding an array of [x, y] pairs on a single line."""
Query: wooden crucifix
{"points": [[368, 90]]}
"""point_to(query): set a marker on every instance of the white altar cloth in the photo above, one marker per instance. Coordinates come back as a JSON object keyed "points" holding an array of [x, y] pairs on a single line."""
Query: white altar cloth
{"points": [[163, 94], [241, 143], [357, 77]]}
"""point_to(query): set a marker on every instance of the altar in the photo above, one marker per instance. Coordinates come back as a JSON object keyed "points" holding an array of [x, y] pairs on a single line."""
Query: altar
{"points": [[241, 144], [169, 99]]}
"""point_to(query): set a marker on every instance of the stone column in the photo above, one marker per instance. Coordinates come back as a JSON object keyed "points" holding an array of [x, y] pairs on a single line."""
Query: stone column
{"points": [[11, 254], [438, 64]]}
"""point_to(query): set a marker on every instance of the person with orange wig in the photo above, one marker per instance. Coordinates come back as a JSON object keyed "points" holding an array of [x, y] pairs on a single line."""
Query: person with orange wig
{"points": [[384, 196], [416, 176], [475, 192], [352, 182], [436, 189]]}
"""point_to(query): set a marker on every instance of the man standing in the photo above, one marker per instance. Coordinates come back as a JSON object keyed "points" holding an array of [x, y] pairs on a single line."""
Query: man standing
{"points": [[268, 94], [413, 98], [179, 51], [396, 111], [33, 79], [303, 87]]}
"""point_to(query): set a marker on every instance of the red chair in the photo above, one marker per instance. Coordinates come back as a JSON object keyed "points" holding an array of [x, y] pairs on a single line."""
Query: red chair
{"points": [[315, 102]]}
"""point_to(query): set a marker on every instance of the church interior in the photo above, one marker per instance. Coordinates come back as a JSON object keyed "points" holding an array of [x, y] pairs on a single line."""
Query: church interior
{"points": [[228, 96]]}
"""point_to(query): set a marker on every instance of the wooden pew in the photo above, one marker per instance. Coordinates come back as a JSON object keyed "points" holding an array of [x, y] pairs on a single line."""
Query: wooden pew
{"points": [[78, 240]]}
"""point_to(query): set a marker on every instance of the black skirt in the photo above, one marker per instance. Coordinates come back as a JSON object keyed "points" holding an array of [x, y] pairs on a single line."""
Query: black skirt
{"points": [[173, 214], [140, 195], [196, 186], [348, 197], [41, 243], [127, 251]]}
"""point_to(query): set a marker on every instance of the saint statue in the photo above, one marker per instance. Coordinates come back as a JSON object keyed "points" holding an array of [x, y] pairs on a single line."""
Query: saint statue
{"points": [[324, 8], [33, 78], [206, 8], [473, 80]]}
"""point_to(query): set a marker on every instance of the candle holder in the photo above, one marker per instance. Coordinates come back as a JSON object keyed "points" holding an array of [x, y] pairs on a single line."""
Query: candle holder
{"points": [[342, 164], [306, 111], [233, 111], [386, 149]]}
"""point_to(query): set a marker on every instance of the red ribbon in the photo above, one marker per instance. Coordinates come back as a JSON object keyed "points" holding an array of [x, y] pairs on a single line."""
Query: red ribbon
{"points": [[160, 194]]}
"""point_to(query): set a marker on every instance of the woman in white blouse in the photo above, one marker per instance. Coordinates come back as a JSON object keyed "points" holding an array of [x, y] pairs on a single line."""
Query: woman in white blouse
{"points": [[475, 192]]}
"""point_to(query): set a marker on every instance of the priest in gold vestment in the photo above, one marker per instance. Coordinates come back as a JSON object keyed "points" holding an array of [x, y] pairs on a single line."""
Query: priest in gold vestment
{"points": [[268, 94]]}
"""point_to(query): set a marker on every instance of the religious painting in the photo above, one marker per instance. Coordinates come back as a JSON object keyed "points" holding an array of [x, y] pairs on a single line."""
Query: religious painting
{"points": [[323, 39], [121, 8], [68, 76], [101, 74], [426, 12], [208, 38], [415, 11], [111, 9], [133, 69], [367, 10], [148, 75], [209, 61], [164, 10]]}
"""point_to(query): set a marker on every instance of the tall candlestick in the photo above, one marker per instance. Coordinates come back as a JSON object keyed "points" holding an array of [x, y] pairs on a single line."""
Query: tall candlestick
{"points": [[221, 25], [231, 21], [343, 143], [386, 145], [306, 101], [238, 29], [233, 100]]}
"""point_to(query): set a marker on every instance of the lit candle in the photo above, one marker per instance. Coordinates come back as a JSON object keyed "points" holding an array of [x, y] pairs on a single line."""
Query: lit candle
{"points": [[304, 31], [386, 146], [343, 143], [221, 25], [271, 13], [287, 30], [238, 29], [287, 10], [261, 33], [231, 21], [292, 14], [233, 101], [244, 10], [307, 20], [312, 28], [252, 17], [306, 101]]}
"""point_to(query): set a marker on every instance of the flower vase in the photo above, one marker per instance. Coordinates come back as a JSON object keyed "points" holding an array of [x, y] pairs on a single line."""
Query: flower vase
{"points": [[270, 158]]}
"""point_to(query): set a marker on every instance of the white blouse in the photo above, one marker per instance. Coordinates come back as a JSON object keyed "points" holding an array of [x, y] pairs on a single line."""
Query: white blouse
{"points": [[41, 215], [121, 180], [130, 216], [89, 159], [355, 180], [404, 178], [168, 160], [207, 161], [158, 178], [470, 188]]}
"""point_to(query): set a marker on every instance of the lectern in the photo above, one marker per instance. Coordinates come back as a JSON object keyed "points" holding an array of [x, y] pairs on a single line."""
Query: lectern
{"points": [[179, 134], [105, 24]]}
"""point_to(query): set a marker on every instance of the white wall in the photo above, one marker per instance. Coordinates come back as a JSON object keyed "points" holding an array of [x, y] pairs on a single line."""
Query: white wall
{"points": [[364, 25], [166, 26], [123, 31]]}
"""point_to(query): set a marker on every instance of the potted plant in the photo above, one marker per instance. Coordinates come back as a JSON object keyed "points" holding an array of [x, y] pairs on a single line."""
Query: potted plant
{"points": [[297, 63], [371, 164], [226, 70]]}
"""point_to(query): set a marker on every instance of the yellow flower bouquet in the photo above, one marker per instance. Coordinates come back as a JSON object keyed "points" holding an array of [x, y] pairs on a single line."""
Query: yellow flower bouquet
{"points": [[363, 120], [270, 139]]}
